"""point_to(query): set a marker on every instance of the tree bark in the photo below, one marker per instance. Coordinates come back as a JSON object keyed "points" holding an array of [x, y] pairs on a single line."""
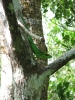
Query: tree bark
{"points": [[24, 68], [32, 13]]}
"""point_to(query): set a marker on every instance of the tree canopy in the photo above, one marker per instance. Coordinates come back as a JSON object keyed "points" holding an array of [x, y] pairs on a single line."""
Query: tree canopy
{"points": [[60, 38]]}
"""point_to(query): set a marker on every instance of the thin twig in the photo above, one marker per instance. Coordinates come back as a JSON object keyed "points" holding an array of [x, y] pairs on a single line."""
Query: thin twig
{"points": [[28, 32]]}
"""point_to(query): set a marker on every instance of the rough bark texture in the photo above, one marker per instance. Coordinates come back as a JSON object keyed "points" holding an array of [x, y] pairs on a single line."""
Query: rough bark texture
{"points": [[31, 10], [32, 13], [6, 72], [25, 82]]}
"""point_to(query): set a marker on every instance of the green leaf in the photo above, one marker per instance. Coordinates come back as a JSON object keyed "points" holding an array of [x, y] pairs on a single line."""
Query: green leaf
{"points": [[66, 37]]}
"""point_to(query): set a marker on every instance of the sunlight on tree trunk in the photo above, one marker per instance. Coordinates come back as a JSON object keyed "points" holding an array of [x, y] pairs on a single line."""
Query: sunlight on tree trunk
{"points": [[6, 71]]}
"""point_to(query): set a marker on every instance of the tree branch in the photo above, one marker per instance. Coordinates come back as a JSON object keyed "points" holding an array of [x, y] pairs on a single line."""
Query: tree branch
{"points": [[60, 62], [28, 32]]}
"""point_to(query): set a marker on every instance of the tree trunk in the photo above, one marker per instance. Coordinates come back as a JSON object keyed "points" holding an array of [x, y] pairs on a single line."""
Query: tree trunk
{"points": [[6, 71], [32, 13], [22, 80]]}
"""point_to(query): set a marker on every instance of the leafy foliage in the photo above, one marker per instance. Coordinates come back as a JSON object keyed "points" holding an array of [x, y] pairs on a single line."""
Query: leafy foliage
{"points": [[60, 38], [62, 9], [62, 87]]}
